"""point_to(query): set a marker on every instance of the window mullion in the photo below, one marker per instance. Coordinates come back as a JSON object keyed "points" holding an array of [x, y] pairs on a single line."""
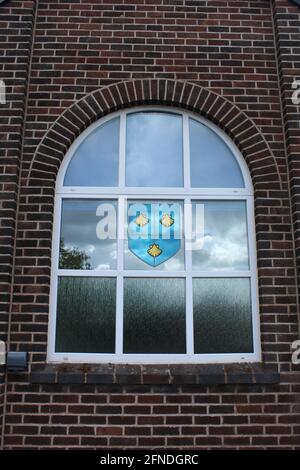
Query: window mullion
{"points": [[119, 315], [189, 279], [120, 281], [122, 150], [186, 153], [121, 233]]}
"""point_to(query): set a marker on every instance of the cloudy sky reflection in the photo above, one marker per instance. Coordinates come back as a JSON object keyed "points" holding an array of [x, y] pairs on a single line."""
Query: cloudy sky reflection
{"points": [[154, 150], [222, 247], [225, 244], [78, 230], [95, 162]]}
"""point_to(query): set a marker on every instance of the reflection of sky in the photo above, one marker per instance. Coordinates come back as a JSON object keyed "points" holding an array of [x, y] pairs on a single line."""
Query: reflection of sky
{"points": [[78, 229], [224, 248], [154, 150], [95, 162], [225, 244], [168, 239], [212, 162]]}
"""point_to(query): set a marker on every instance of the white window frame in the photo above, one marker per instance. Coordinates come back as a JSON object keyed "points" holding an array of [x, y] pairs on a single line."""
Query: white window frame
{"points": [[185, 194]]}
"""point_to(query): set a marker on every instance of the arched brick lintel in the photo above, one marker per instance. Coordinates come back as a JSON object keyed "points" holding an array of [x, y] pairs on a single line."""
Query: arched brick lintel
{"points": [[237, 125]]}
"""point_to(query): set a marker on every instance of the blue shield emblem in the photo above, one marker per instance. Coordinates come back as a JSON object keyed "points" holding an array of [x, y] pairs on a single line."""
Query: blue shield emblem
{"points": [[154, 231]]}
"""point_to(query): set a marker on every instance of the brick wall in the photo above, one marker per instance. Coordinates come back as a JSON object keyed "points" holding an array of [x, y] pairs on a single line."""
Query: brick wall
{"points": [[16, 24], [151, 416], [234, 49], [287, 22]]}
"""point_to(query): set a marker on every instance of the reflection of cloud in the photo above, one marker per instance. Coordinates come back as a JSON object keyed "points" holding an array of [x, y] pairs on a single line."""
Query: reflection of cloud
{"points": [[154, 150], [103, 266], [174, 264], [228, 253], [225, 245], [78, 230], [212, 162], [95, 162]]}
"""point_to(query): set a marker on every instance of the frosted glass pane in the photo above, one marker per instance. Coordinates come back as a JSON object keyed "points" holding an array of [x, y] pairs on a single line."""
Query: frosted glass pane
{"points": [[95, 162], [154, 316], [212, 162], [222, 316], [82, 231], [86, 309], [222, 245], [166, 236], [154, 150]]}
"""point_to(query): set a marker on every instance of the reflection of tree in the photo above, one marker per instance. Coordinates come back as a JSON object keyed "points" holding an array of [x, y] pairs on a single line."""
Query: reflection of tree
{"points": [[72, 258]]}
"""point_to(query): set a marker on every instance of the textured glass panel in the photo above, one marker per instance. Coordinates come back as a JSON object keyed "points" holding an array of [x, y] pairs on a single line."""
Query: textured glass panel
{"points": [[86, 309], [222, 316], [212, 162], [88, 234], [95, 162], [154, 316], [222, 245], [157, 224], [154, 150]]}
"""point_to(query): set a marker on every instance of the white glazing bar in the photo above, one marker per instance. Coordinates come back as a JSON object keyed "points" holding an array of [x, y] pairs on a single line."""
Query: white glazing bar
{"points": [[119, 314], [189, 281], [120, 281], [122, 150], [139, 192], [88, 272], [153, 358], [121, 233], [214, 274], [127, 273], [153, 273], [186, 152], [150, 272]]}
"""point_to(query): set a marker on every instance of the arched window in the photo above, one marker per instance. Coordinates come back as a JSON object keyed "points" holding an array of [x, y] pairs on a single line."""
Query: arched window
{"points": [[153, 245]]}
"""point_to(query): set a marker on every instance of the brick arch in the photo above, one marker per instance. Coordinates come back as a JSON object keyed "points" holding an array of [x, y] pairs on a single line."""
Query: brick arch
{"points": [[74, 120]]}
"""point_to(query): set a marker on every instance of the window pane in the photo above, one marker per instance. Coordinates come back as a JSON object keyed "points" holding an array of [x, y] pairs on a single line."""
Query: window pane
{"points": [[222, 316], [95, 162], [155, 236], [222, 245], [86, 315], [154, 316], [212, 162], [88, 234], [154, 150]]}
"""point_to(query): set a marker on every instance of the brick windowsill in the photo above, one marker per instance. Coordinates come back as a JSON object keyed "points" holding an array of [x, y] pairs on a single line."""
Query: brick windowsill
{"points": [[155, 374]]}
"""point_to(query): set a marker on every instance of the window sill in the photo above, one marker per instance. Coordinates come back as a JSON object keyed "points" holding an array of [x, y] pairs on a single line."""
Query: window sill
{"points": [[208, 374]]}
